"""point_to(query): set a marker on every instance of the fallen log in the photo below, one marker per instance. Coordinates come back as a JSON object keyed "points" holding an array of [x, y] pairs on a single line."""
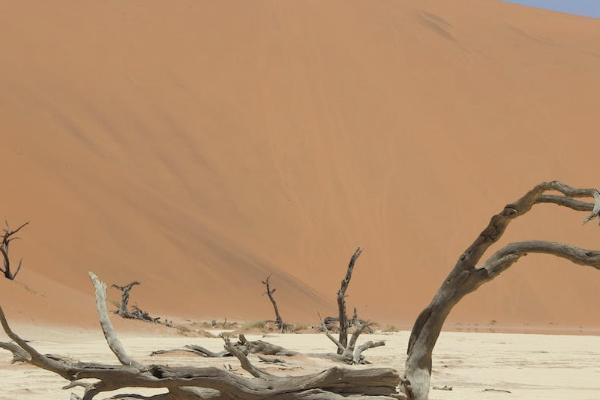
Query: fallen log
{"points": [[243, 344], [200, 383]]}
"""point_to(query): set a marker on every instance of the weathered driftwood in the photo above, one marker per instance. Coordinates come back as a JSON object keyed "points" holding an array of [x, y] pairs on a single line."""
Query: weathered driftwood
{"points": [[195, 349], [269, 291], [341, 300], [8, 235], [244, 345], [189, 383], [262, 347], [469, 274]]}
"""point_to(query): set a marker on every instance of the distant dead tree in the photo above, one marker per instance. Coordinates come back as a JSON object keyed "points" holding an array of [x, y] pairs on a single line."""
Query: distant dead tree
{"points": [[8, 235], [269, 291], [123, 308], [136, 312], [341, 301], [469, 273]]}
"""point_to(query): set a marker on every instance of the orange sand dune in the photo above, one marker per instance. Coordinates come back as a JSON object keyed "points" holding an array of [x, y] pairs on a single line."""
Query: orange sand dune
{"points": [[198, 146]]}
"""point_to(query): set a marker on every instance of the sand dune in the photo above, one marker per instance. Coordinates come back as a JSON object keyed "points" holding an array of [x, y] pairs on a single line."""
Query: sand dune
{"points": [[198, 146]]}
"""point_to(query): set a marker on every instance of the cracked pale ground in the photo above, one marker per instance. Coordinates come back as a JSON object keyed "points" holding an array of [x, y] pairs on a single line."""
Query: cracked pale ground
{"points": [[549, 367]]}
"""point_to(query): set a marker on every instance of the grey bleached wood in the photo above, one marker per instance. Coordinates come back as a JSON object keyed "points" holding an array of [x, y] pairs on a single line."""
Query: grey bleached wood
{"points": [[19, 355], [243, 344], [341, 300], [112, 339], [467, 276], [262, 347], [190, 383], [195, 349], [351, 354], [596, 210]]}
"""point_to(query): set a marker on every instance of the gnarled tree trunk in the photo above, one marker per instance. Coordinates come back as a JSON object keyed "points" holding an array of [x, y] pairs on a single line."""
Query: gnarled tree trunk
{"points": [[468, 274]]}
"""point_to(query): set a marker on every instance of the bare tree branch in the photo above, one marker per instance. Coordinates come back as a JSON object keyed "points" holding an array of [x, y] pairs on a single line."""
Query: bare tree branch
{"points": [[19, 355], [269, 292], [466, 277], [340, 347], [513, 251], [195, 349], [341, 299], [246, 364], [111, 338], [8, 236], [357, 357], [351, 354]]}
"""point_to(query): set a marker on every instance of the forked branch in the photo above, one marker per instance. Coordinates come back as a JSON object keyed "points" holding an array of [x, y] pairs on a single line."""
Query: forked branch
{"points": [[352, 354], [467, 276]]}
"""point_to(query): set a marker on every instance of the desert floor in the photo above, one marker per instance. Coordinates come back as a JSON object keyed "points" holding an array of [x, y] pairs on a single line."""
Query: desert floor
{"points": [[529, 366]]}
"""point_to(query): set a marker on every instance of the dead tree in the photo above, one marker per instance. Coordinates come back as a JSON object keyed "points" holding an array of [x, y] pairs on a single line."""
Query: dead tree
{"points": [[341, 301], [123, 309], [350, 353], [135, 312], [469, 273], [8, 235], [200, 383], [269, 292]]}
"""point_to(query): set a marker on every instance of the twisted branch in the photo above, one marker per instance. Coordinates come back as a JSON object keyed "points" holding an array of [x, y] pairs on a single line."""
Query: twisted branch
{"points": [[466, 277]]}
